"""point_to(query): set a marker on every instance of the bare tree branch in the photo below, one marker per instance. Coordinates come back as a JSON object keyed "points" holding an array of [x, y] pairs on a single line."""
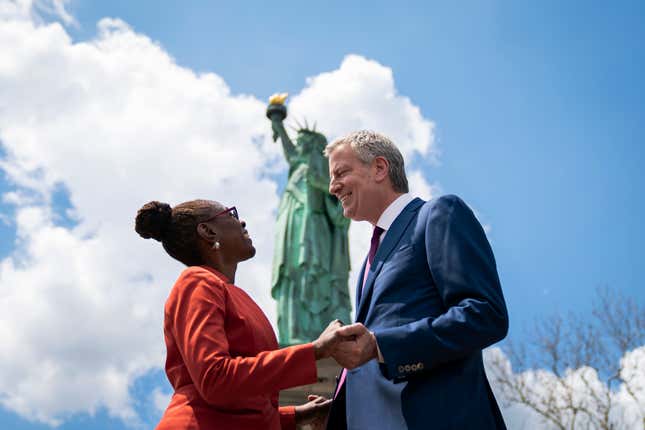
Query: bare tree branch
{"points": [[572, 372]]}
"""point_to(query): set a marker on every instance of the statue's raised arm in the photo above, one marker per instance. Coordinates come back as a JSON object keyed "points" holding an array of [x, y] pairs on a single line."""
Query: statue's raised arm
{"points": [[277, 112]]}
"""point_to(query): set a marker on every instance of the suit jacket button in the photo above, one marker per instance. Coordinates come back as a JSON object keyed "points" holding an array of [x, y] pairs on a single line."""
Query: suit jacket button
{"points": [[413, 367], [401, 369], [420, 366], [407, 368]]}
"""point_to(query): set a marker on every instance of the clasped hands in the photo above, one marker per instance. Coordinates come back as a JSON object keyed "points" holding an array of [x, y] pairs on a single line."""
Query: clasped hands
{"points": [[350, 345]]}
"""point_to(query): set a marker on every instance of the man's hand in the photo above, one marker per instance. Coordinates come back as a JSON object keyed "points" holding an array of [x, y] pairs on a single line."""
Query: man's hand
{"points": [[314, 413], [358, 348], [327, 341]]}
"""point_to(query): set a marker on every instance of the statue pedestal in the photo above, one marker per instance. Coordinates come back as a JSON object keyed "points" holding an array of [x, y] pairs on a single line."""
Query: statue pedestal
{"points": [[328, 370]]}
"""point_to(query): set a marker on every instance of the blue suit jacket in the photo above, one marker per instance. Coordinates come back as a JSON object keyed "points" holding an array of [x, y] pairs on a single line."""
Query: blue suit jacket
{"points": [[433, 299]]}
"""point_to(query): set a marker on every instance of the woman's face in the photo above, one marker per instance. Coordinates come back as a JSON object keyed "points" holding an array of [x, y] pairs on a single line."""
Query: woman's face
{"points": [[235, 242]]}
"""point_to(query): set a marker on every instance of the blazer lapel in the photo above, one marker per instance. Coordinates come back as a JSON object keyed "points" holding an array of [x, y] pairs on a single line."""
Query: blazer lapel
{"points": [[359, 285], [392, 237]]}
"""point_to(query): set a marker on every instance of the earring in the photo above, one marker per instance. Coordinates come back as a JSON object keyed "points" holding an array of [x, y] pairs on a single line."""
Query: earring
{"points": [[216, 245]]}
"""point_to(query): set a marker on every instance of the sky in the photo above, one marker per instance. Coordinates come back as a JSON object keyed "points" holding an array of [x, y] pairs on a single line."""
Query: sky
{"points": [[531, 112]]}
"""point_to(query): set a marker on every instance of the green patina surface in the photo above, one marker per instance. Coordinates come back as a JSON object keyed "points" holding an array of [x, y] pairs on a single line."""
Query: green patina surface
{"points": [[311, 257]]}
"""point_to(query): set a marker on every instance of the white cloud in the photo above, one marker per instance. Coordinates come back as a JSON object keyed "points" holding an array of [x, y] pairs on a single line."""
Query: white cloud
{"points": [[487, 227], [35, 9], [420, 187], [361, 94], [160, 399], [581, 387], [632, 394], [18, 198], [117, 123]]}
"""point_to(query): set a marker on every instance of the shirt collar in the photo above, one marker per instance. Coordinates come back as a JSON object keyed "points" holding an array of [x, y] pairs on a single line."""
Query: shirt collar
{"points": [[393, 210]]}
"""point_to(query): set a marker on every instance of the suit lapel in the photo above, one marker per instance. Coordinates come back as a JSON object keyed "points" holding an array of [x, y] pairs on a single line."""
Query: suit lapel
{"points": [[392, 238], [359, 285]]}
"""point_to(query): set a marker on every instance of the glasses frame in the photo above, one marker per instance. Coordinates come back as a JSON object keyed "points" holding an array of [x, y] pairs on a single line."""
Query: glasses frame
{"points": [[232, 211]]}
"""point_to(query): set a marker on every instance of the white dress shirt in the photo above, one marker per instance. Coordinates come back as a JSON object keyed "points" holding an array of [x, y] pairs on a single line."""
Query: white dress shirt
{"points": [[385, 222], [391, 212]]}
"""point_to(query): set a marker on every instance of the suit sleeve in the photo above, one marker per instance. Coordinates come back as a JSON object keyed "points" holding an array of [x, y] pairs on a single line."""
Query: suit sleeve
{"points": [[464, 272], [198, 324]]}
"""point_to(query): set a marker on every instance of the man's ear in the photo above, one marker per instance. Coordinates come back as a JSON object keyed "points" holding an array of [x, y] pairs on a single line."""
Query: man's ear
{"points": [[381, 168], [206, 232]]}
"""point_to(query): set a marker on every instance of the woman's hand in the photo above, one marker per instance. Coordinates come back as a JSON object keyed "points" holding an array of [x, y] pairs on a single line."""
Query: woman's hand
{"points": [[313, 413], [328, 339]]}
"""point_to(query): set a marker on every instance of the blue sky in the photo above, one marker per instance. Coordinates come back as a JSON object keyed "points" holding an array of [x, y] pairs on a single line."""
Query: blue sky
{"points": [[538, 109], [538, 114]]}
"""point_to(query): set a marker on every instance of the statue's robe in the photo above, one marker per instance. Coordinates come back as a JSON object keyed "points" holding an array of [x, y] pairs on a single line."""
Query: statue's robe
{"points": [[311, 257]]}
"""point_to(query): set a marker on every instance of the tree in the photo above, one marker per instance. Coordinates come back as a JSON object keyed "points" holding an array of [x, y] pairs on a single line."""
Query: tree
{"points": [[580, 372]]}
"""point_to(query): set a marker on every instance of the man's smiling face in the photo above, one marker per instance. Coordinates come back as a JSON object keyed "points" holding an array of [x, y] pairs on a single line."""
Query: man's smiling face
{"points": [[352, 183]]}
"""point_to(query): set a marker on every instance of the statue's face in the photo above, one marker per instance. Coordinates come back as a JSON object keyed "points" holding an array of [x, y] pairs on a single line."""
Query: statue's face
{"points": [[352, 182], [306, 144], [310, 141]]}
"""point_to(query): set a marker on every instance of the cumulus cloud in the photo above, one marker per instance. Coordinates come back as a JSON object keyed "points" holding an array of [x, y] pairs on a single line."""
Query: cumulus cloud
{"points": [[361, 94], [160, 399], [36, 10], [419, 186], [632, 393], [114, 123], [578, 389]]}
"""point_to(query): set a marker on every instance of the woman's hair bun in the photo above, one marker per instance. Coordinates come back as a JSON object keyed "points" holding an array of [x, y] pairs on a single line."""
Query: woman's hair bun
{"points": [[152, 220]]}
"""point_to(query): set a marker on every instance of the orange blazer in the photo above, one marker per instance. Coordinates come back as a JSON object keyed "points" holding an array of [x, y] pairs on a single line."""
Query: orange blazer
{"points": [[223, 359]]}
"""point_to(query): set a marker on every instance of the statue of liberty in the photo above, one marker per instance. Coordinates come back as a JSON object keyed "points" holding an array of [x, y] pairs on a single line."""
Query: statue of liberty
{"points": [[311, 257]]}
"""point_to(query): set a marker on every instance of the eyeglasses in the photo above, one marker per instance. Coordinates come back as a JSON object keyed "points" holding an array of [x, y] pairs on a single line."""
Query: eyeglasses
{"points": [[231, 211]]}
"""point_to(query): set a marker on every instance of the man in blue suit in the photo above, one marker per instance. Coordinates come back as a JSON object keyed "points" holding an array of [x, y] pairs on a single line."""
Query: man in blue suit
{"points": [[428, 301]]}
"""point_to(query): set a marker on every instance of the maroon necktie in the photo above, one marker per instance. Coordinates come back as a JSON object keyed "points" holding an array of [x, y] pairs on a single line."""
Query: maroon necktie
{"points": [[374, 243]]}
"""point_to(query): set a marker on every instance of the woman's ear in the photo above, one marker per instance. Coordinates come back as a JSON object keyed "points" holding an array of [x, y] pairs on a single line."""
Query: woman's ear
{"points": [[206, 232]]}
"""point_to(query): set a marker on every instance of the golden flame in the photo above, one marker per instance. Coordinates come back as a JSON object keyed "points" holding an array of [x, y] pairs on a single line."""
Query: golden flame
{"points": [[278, 98]]}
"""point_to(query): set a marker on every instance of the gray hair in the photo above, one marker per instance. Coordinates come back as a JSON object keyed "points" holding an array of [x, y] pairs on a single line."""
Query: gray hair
{"points": [[368, 145]]}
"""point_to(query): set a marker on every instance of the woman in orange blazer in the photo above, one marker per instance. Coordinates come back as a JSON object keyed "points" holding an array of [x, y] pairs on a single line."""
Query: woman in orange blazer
{"points": [[222, 358]]}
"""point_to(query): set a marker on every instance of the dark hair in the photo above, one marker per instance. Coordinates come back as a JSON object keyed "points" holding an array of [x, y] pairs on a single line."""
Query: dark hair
{"points": [[175, 228]]}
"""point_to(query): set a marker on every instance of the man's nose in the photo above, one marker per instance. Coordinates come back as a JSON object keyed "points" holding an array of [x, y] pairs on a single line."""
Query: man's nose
{"points": [[333, 187], [243, 223]]}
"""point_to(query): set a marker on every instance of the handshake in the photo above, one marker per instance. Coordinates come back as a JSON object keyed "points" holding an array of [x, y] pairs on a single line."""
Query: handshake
{"points": [[350, 345]]}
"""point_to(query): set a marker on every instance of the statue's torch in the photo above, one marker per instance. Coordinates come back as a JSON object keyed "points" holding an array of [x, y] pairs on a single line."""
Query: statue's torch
{"points": [[277, 111]]}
